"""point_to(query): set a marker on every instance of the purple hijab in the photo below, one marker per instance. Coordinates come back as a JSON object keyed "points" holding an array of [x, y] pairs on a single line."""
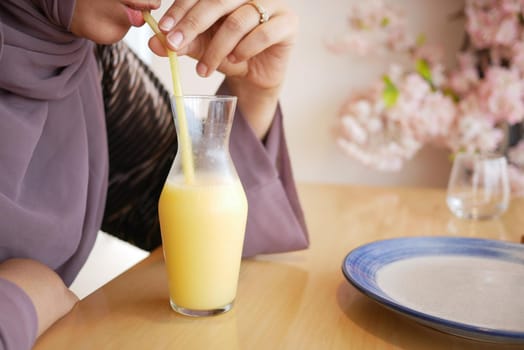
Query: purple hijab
{"points": [[53, 148]]}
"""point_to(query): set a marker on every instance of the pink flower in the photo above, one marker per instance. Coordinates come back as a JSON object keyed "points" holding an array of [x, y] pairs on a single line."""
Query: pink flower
{"points": [[472, 131], [366, 133], [517, 56], [516, 154], [465, 109], [372, 27], [398, 39], [433, 54], [352, 42], [501, 93], [466, 77], [507, 31], [492, 23], [434, 118]]}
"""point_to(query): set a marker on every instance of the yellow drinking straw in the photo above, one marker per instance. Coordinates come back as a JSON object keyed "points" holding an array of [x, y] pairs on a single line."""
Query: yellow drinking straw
{"points": [[185, 141]]}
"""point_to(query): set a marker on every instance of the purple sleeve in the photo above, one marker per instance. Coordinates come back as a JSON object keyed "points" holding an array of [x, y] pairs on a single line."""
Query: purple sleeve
{"points": [[18, 320], [275, 220]]}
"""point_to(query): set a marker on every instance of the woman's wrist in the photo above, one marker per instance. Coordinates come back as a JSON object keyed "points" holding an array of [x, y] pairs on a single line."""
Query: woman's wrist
{"points": [[258, 105], [50, 297]]}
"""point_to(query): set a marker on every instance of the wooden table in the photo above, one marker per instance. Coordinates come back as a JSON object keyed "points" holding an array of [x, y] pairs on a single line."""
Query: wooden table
{"points": [[297, 300]]}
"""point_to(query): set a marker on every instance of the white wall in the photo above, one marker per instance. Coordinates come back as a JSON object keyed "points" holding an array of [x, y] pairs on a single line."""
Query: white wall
{"points": [[318, 81]]}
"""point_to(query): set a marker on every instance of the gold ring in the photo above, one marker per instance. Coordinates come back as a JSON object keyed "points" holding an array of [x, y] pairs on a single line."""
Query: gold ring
{"points": [[264, 17]]}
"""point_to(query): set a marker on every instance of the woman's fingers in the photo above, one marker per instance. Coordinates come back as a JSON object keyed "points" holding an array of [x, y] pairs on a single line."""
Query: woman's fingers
{"points": [[234, 36], [230, 32], [157, 46], [146, 4], [280, 30], [175, 13], [186, 19]]}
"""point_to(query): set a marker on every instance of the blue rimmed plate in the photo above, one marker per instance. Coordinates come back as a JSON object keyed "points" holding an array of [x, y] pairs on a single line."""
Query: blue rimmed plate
{"points": [[468, 287]]}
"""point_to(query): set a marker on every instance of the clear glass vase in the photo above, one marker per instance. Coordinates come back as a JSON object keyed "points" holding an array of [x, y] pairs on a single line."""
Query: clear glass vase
{"points": [[203, 210], [478, 186]]}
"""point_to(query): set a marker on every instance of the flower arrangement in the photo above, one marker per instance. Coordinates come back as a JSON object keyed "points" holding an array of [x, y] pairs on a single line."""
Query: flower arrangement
{"points": [[468, 108]]}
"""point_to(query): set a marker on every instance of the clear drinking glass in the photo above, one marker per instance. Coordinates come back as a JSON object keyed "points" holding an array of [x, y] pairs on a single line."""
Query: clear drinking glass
{"points": [[478, 186], [203, 216]]}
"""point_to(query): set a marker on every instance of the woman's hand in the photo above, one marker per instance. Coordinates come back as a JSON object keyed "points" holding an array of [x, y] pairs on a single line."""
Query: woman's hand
{"points": [[51, 298], [227, 36]]}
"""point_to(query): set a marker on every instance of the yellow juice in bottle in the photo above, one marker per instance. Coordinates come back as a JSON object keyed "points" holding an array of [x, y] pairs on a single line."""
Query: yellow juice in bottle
{"points": [[203, 226]]}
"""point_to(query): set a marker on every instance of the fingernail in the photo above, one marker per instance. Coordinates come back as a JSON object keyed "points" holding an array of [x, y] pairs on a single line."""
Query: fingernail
{"points": [[201, 69], [232, 58], [167, 23], [175, 39]]}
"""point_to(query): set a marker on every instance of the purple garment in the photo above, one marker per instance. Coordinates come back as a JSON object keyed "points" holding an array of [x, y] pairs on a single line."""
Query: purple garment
{"points": [[53, 148], [14, 303], [275, 221]]}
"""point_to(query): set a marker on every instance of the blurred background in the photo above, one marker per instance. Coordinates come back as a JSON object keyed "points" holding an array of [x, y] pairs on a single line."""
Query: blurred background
{"points": [[317, 83]]}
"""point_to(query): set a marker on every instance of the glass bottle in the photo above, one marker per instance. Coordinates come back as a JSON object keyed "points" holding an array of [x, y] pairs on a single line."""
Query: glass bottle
{"points": [[203, 209]]}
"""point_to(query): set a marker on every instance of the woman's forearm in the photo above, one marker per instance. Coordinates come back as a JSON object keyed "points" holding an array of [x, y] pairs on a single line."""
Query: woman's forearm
{"points": [[48, 293], [257, 105]]}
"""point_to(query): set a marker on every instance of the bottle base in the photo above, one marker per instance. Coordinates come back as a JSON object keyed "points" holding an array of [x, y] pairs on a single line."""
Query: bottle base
{"points": [[200, 313]]}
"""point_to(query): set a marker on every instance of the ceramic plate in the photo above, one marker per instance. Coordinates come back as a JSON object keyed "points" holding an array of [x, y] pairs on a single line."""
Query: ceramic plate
{"points": [[469, 287]]}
